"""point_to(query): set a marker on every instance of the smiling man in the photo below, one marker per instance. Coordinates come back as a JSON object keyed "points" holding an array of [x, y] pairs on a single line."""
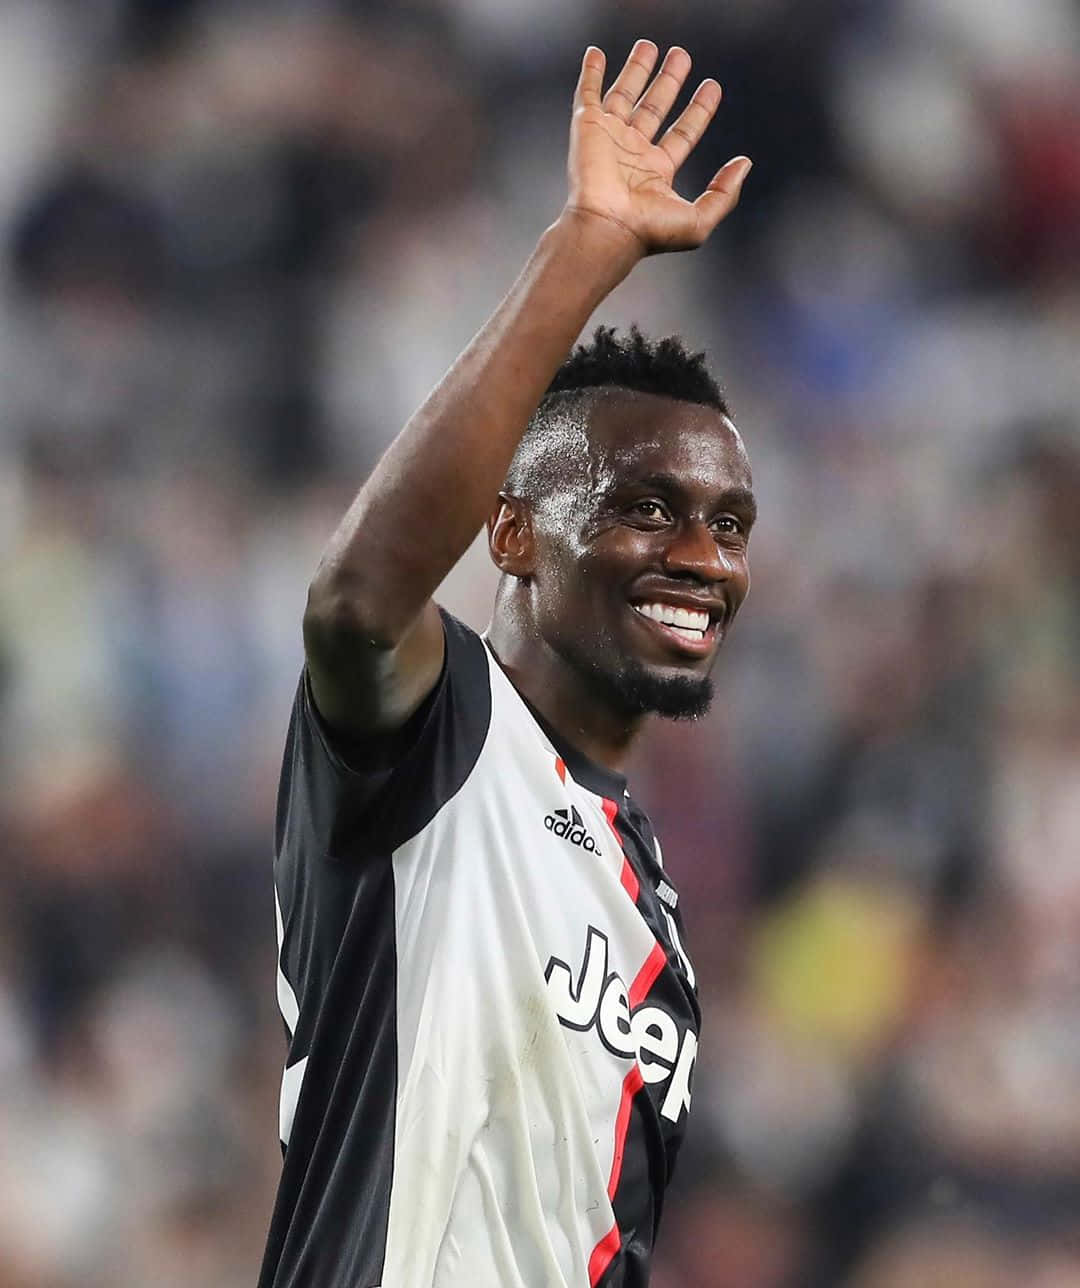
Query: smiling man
{"points": [[492, 1017], [629, 497]]}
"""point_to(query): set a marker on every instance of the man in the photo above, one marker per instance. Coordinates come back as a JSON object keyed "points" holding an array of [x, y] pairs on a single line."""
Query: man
{"points": [[493, 1021]]}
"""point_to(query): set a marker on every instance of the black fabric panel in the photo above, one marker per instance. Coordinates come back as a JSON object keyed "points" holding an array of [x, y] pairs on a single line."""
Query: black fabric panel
{"points": [[329, 1224], [338, 824]]}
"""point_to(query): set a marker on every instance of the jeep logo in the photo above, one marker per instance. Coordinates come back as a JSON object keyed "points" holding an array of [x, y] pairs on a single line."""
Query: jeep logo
{"points": [[599, 999]]}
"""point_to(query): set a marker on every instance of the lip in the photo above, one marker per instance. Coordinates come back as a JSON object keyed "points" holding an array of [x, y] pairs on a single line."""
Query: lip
{"points": [[696, 649], [716, 606]]}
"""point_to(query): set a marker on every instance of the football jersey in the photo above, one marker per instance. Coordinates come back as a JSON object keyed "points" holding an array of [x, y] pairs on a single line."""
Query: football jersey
{"points": [[492, 1020]]}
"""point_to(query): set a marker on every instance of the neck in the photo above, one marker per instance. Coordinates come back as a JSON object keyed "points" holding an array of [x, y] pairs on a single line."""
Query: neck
{"points": [[563, 696]]}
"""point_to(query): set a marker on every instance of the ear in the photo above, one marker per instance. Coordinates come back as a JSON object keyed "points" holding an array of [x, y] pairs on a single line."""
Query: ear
{"points": [[510, 536]]}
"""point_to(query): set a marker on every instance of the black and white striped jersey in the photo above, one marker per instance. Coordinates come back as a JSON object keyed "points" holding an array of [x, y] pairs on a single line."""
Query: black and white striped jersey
{"points": [[492, 1019]]}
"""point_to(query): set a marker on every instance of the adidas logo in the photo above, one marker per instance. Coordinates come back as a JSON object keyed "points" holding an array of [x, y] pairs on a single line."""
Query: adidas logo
{"points": [[571, 827]]}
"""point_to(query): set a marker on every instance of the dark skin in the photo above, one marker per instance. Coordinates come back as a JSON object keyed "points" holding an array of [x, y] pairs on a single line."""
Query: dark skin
{"points": [[669, 522], [372, 635]]}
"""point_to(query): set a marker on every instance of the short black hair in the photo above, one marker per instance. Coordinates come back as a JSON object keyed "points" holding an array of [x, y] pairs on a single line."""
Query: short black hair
{"points": [[633, 362], [663, 366]]}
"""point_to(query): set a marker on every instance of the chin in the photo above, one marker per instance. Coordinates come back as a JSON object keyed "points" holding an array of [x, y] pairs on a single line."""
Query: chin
{"points": [[636, 688], [677, 697], [640, 690]]}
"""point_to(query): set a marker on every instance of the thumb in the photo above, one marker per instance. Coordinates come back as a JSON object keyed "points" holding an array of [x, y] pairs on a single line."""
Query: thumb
{"points": [[722, 195]]}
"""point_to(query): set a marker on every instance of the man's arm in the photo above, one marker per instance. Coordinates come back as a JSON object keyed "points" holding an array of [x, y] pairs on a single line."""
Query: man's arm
{"points": [[372, 635]]}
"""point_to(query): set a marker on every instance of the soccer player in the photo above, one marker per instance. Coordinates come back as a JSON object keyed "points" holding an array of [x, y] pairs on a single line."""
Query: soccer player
{"points": [[493, 1020]]}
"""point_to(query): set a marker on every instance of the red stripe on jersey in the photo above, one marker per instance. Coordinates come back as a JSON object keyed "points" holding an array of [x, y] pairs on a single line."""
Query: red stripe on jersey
{"points": [[602, 1255], [632, 1084], [627, 876], [560, 768], [646, 977], [608, 1246]]}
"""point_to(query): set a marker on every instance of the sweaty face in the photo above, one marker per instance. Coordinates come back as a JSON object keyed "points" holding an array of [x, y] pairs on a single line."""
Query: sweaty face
{"points": [[642, 558]]}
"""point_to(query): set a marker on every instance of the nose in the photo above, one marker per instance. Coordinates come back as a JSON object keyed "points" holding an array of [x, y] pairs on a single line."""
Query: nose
{"points": [[693, 551]]}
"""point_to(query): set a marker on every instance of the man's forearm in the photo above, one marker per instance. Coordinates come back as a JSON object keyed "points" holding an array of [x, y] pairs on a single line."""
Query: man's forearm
{"points": [[432, 490]]}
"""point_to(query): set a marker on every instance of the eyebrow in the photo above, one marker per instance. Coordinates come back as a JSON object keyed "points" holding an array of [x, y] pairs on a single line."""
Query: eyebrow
{"points": [[737, 497]]}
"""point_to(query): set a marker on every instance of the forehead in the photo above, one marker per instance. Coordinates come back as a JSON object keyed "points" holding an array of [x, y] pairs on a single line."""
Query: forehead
{"points": [[635, 435]]}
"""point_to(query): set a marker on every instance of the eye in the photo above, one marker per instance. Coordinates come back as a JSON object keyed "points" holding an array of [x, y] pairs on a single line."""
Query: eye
{"points": [[650, 509], [727, 525]]}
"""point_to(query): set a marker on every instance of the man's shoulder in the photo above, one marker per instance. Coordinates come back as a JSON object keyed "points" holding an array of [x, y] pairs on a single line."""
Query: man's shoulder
{"points": [[381, 788]]}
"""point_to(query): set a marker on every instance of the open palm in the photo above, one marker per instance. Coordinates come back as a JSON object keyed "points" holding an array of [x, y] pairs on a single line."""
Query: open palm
{"points": [[616, 170]]}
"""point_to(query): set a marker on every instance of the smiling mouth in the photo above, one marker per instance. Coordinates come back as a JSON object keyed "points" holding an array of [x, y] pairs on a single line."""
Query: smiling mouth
{"points": [[693, 631]]}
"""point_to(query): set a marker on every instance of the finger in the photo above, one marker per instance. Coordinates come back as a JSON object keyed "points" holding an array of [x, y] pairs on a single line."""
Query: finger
{"points": [[627, 86], [591, 80], [659, 98], [722, 195], [686, 130]]}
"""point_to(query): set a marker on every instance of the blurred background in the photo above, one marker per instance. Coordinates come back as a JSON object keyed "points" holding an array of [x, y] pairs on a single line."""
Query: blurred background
{"points": [[239, 243]]}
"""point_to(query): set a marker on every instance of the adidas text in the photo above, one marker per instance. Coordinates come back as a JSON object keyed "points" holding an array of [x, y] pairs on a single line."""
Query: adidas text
{"points": [[570, 826]]}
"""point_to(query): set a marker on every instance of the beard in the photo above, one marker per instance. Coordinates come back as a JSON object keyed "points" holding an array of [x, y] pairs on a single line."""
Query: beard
{"points": [[634, 689]]}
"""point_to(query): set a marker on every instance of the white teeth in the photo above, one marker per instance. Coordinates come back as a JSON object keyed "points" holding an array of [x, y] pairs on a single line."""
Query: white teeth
{"points": [[693, 622]]}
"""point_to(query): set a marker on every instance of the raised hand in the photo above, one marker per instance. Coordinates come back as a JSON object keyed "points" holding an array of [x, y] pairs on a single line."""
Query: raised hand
{"points": [[619, 174]]}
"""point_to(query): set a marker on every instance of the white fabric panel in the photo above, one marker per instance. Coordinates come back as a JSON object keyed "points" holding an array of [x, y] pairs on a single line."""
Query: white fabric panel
{"points": [[291, 1082], [505, 1123], [287, 1003]]}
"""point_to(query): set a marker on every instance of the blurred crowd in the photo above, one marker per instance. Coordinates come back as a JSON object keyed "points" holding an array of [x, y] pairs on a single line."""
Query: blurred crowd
{"points": [[239, 243]]}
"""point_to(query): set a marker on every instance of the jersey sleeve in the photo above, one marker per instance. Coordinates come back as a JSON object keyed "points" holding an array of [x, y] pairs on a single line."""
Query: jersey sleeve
{"points": [[354, 797]]}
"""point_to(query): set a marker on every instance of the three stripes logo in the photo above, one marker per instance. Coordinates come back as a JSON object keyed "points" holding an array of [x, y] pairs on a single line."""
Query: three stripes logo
{"points": [[569, 825]]}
